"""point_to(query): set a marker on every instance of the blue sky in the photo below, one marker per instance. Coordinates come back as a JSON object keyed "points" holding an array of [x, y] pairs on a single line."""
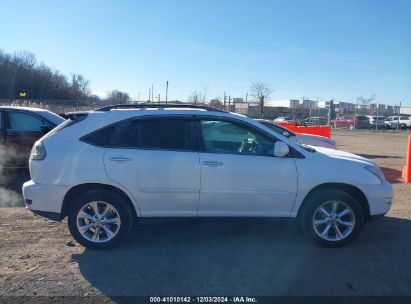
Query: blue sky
{"points": [[315, 48]]}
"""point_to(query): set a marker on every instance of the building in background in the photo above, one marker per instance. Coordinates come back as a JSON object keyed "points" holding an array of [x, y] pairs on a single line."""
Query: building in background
{"points": [[283, 103]]}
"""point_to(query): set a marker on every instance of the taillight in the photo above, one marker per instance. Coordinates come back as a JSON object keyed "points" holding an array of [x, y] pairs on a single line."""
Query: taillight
{"points": [[38, 152], [28, 201]]}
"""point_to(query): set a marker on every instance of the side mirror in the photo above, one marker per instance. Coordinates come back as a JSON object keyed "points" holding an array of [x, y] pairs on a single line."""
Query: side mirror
{"points": [[281, 149], [286, 134]]}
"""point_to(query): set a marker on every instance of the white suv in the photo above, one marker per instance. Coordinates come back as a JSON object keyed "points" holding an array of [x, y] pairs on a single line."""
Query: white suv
{"points": [[117, 165], [392, 122]]}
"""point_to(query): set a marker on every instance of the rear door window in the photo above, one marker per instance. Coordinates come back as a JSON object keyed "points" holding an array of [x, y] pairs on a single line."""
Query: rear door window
{"points": [[160, 134]]}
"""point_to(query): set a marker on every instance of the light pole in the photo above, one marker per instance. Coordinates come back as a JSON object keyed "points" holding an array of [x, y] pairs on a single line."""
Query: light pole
{"points": [[166, 91]]}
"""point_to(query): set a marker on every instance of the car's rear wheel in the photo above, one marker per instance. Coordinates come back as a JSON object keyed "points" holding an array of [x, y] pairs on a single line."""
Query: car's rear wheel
{"points": [[100, 219], [332, 218]]}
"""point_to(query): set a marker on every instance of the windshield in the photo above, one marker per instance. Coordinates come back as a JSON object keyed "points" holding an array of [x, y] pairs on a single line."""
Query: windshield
{"points": [[277, 128]]}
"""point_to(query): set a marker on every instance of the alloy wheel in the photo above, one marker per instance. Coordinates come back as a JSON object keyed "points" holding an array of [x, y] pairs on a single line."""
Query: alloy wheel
{"points": [[333, 221], [98, 221]]}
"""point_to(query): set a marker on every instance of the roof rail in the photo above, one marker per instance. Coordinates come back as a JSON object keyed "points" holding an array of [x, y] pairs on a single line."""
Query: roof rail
{"points": [[158, 105]]}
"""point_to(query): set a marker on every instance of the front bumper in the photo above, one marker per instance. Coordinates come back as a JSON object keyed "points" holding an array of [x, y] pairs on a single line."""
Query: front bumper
{"points": [[379, 198], [46, 200]]}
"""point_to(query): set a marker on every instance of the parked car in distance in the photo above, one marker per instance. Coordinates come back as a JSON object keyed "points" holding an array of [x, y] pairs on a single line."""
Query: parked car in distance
{"points": [[351, 122], [283, 119], [300, 138], [376, 121], [315, 121], [20, 127], [392, 122], [118, 164]]}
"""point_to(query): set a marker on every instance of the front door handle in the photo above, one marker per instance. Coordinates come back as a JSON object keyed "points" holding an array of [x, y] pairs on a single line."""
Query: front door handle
{"points": [[212, 163], [119, 159]]}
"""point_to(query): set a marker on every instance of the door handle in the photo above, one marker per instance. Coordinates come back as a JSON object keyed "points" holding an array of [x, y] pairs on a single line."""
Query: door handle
{"points": [[212, 163], [119, 159]]}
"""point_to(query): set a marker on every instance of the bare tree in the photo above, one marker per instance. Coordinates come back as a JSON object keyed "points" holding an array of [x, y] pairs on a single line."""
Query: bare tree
{"points": [[118, 97], [260, 91], [20, 73], [80, 86], [198, 96], [364, 100], [216, 103]]}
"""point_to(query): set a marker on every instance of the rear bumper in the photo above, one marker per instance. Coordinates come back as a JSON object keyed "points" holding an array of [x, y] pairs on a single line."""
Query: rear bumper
{"points": [[49, 215], [46, 199]]}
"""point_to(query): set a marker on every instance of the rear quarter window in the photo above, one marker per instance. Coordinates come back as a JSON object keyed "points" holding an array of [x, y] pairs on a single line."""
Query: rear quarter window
{"points": [[101, 137]]}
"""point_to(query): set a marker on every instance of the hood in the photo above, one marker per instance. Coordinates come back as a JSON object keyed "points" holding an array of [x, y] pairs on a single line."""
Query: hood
{"points": [[311, 136], [341, 155]]}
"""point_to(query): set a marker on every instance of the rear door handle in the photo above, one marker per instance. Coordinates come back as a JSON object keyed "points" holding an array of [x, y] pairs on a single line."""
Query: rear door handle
{"points": [[119, 159], [212, 163]]}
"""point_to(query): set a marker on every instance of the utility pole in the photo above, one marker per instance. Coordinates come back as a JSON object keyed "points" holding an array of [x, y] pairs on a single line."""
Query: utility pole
{"points": [[225, 107], [378, 115], [152, 93], [229, 103], [355, 113], [166, 91], [262, 107], [398, 117], [246, 97], [149, 94]]}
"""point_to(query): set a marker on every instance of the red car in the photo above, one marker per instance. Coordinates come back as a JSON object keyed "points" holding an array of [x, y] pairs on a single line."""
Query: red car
{"points": [[351, 122]]}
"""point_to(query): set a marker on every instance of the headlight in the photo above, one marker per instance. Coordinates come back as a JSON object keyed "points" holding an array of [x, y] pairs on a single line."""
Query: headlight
{"points": [[38, 152], [377, 172]]}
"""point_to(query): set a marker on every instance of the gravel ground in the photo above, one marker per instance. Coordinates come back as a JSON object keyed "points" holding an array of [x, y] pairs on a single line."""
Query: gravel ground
{"points": [[215, 257]]}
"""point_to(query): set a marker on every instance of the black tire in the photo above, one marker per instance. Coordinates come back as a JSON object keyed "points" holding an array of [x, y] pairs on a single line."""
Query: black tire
{"points": [[123, 211], [318, 199]]}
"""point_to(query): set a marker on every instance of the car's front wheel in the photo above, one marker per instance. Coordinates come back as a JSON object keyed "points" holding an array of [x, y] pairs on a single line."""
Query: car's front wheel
{"points": [[332, 218], [100, 219]]}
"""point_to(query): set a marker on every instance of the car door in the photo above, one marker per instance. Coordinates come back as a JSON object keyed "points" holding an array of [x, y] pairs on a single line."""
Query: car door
{"points": [[22, 130], [339, 121], [239, 174], [157, 161]]}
